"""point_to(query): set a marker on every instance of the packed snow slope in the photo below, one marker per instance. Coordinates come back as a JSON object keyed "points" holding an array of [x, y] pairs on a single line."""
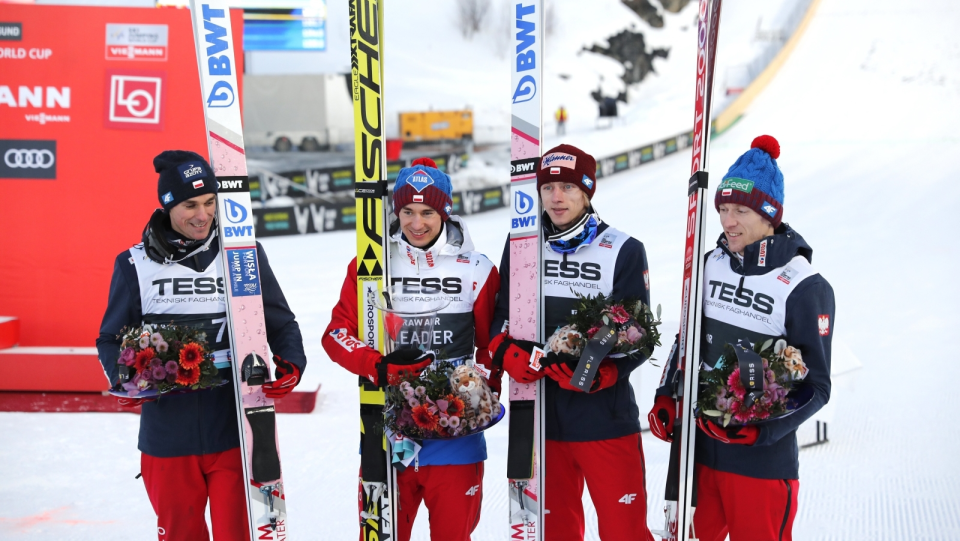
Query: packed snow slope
{"points": [[866, 111]]}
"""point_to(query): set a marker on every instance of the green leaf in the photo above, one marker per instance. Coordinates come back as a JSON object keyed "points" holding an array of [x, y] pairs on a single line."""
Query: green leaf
{"points": [[766, 345], [658, 311], [713, 413], [726, 419]]}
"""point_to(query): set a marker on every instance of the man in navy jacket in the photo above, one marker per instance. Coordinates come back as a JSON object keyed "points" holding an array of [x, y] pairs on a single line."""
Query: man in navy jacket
{"points": [[758, 284], [190, 443]]}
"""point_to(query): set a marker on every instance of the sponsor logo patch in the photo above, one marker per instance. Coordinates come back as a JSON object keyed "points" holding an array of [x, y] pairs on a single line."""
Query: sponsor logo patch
{"points": [[25, 158], [420, 180], [787, 275], [739, 184], [136, 42], [11, 31], [135, 99], [823, 323], [348, 342], [769, 209], [559, 159], [762, 259], [607, 240], [646, 279], [167, 197], [587, 182]]}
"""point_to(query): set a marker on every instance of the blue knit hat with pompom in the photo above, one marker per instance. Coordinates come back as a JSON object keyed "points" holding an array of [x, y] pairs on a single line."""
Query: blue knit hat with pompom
{"points": [[755, 181], [423, 183]]}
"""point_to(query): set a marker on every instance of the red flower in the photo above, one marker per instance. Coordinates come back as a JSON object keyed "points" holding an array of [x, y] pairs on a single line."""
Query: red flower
{"points": [[191, 355], [424, 419], [143, 358], [188, 376], [454, 406]]}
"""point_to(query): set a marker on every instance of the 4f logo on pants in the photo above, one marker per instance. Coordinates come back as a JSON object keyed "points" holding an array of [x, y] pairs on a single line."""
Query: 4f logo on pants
{"points": [[473, 490], [627, 498]]}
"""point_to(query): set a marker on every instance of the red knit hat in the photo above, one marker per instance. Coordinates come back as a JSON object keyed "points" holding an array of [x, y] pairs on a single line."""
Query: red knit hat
{"points": [[567, 163]]}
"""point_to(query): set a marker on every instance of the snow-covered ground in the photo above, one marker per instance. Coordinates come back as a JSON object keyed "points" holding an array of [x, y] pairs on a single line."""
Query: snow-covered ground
{"points": [[866, 111]]}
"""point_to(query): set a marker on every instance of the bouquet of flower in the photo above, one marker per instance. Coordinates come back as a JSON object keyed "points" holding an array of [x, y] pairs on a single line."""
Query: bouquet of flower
{"points": [[158, 359], [443, 402], [725, 399], [634, 324]]}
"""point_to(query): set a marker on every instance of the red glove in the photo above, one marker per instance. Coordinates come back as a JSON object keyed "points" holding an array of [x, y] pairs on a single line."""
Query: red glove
{"points": [[288, 376], [606, 376], [401, 363], [740, 434], [132, 402], [514, 357], [560, 367], [661, 417], [561, 373]]}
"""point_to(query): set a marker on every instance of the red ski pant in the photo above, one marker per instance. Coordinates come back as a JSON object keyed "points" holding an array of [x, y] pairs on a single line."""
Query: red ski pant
{"points": [[746, 508], [179, 487], [452, 494], [615, 475]]}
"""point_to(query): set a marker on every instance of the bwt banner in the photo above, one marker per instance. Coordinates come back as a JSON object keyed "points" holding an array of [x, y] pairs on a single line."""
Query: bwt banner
{"points": [[88, 96]]}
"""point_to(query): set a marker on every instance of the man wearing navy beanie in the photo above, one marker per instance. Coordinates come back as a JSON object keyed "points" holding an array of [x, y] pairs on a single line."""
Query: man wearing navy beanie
{"points": [[190, 443], [759, 284]]}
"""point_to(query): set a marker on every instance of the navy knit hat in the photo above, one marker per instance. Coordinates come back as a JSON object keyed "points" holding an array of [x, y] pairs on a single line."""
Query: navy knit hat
{"points": [[567, 163], [423, 183], [755, 181], [183, 175]]}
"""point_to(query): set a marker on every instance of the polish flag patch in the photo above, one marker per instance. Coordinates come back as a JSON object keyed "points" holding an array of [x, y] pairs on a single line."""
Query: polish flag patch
{"points": [[554, 170], [418, 199], [823, 323], [197, 184]]}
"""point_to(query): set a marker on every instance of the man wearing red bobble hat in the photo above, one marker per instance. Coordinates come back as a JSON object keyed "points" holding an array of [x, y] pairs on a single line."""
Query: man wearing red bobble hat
{"points": [[429, 248], [759, 284], [593, 436]]}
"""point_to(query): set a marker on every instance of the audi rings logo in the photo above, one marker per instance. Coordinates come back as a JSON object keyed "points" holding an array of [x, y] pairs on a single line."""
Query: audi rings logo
{"points": [[24, 158], [28, 158]]}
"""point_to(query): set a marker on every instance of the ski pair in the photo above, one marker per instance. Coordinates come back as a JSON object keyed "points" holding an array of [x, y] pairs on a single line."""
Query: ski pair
{"points": [[680, 493], [256, 414]]}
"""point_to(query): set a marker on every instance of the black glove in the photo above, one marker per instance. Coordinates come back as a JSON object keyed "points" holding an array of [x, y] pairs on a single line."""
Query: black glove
{"points": [[393, 366]]}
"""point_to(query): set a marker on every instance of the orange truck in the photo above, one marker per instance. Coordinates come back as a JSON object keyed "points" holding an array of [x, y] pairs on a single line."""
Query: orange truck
{"points": [[436, 126]]}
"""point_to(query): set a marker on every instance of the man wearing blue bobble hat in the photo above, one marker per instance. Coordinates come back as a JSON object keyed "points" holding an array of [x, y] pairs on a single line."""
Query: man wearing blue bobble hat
{"points": [[431, 254], [758, 284]]}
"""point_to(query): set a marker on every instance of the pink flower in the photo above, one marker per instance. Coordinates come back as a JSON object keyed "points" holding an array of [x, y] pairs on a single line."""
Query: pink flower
{"points": [[127, 356], [634, 334], [171, 367], [618, 314], [592, 331], [155, 339], [162, 347], [412, 402], [144, 341], [454, 422], [159, 373], [420, 390], [444, 422], [407, 391]]}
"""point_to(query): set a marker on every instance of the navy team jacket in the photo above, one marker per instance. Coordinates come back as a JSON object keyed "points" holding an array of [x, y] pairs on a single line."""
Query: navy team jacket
{"points": [[202, 422], [614, 264], [773, 293]]}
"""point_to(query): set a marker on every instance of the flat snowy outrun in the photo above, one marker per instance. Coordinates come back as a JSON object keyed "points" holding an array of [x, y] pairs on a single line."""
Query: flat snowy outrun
{"points": [[866, 111]]}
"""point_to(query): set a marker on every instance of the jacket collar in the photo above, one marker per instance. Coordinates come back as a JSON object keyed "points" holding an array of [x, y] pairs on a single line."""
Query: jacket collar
{"points": [[769, 253]]}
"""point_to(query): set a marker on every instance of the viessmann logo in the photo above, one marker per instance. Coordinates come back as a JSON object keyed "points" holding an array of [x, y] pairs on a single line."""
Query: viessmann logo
{"points": [[23, 158], [135, 99], [136, 42]]}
